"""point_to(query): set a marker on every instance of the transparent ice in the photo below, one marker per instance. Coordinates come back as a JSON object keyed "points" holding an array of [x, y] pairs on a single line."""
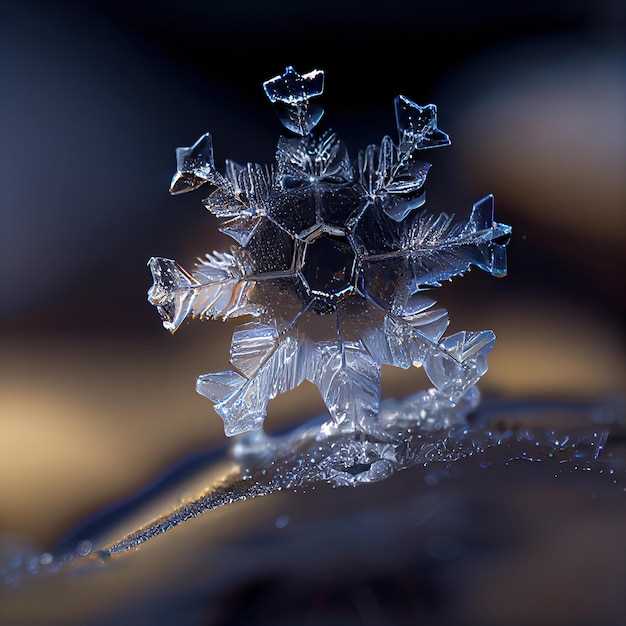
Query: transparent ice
{"points": [[333, 260]]}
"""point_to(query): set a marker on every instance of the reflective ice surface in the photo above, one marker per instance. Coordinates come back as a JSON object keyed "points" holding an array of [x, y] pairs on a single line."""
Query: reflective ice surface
{"points": [[431, 440], [333, 259]]}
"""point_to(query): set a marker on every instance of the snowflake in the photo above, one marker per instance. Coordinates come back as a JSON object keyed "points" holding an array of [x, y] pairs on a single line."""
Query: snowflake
{"points": [[333, 261]]}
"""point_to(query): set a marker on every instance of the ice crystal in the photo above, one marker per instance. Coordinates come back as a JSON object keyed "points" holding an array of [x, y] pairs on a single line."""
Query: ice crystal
{"points": [[333, 259]]}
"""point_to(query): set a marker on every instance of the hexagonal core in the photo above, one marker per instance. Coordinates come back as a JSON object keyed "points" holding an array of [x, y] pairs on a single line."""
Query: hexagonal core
{"points": [[328, 265]]}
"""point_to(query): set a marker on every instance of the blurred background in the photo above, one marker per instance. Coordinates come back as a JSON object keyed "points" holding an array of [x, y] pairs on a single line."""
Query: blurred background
{"points": [[95, 397]]}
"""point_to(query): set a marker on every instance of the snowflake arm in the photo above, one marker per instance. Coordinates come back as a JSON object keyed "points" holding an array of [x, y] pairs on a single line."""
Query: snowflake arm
{"points": [[218, 288], [453, 364], [242, 200], [438, 248], [245, 192], [393, 176], [392, 173], [270, 364], [349, 381], [313, 160]]}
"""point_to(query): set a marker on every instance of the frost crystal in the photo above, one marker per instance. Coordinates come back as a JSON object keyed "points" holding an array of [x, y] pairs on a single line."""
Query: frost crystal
{"points": [[333, 260]]}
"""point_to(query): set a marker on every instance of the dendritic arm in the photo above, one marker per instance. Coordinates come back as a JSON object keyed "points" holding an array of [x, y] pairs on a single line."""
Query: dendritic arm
{"points": [[240, 195], [310, 159], [349, 381], [453, 364], [394, 177], [244, 200], [218, 288], [439, 248], [270, 363], [391, 173]]}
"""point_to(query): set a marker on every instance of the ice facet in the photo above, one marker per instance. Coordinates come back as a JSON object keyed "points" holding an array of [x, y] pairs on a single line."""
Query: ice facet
{"points": [[292, 88], [328, 266], [332, 259], [240, 229], [270, 249], [295, 210], [252, 343], [219, 385]]}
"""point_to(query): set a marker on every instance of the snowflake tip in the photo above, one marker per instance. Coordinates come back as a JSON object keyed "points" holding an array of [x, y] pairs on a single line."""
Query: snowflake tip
{"points": [[194, 166], [171, 291], [292, 88], [417, 125], [291, 94]]}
